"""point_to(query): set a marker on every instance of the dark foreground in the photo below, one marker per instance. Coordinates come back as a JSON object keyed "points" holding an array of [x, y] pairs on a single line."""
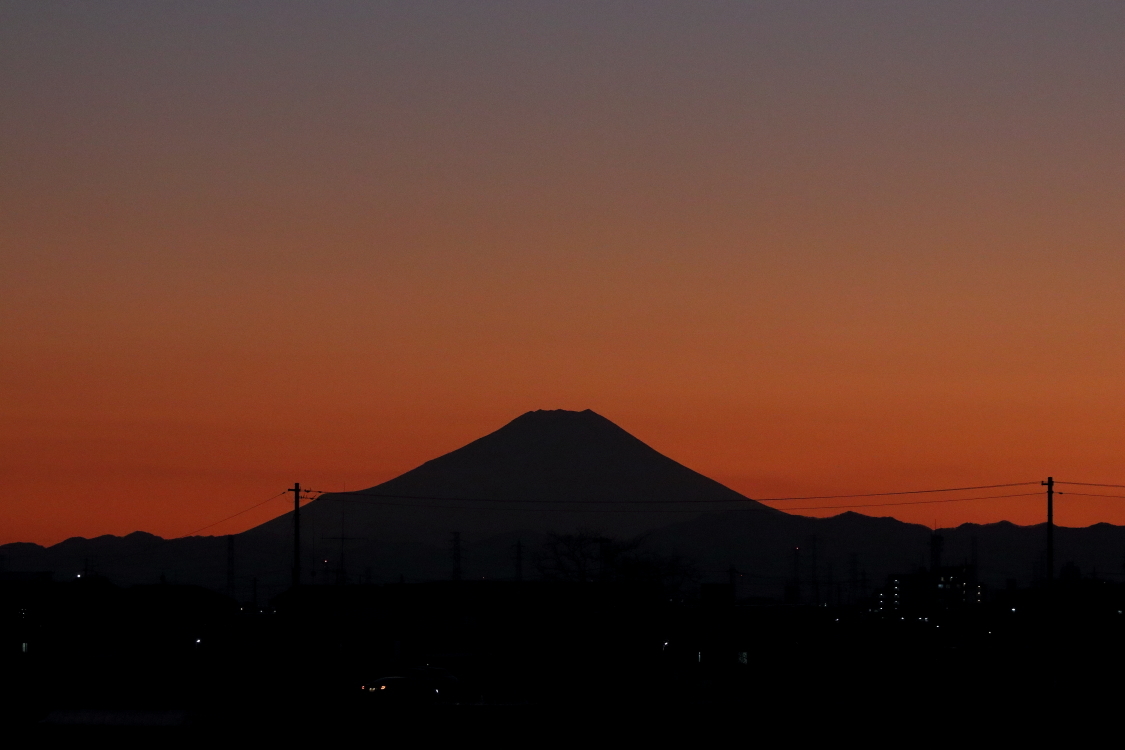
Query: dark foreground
{"points": [[519, 663]]}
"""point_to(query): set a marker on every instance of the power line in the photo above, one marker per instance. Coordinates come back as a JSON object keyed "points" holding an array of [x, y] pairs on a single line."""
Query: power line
{"points": [[669, 502], [239, 513], [379, 501], [1091, 484], [530, 501], [378, 498], [919, 502], [382, 498], [901, 492], [160, 540], [1087, 494]]}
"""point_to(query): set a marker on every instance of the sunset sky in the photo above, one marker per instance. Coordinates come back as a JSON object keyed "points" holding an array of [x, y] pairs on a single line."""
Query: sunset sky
{"points": [[801, 247]]}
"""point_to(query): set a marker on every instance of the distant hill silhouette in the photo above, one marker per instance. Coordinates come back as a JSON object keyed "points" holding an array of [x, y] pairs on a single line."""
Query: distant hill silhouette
{"points": [[560, 471]]}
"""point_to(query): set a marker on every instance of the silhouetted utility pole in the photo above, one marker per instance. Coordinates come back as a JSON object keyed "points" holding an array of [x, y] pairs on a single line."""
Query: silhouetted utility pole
{"points": [[296, 533], [853, 579], [455, 551], [341, 572], [815, 575], [796, 575], [1050, 485], [936, 544], [230, 565], [519, 560]]}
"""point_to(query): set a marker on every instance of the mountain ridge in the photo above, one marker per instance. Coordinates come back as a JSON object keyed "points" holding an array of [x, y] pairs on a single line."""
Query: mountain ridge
{"points": [[558, 471]]}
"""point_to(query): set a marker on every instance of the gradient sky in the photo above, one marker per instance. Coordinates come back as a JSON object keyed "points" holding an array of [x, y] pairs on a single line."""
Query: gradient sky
{"points": [[801, 247]]}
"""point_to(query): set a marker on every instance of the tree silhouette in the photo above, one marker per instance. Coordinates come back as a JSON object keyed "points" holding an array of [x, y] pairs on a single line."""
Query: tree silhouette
{"points": [[587, 556]]}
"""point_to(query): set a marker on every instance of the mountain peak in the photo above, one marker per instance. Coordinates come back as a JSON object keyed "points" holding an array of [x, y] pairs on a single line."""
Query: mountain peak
{"points": [[544, 469], [560, 417], [559, 455], [559, 447]]}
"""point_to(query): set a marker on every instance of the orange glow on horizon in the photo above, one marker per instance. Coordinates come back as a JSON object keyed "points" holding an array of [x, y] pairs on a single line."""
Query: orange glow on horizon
{"points": [[804, 250]]}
